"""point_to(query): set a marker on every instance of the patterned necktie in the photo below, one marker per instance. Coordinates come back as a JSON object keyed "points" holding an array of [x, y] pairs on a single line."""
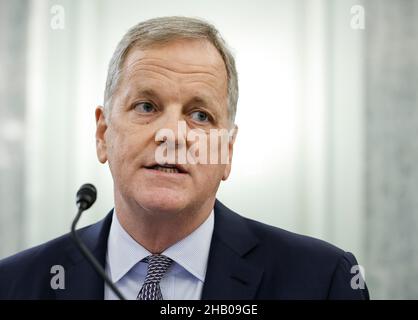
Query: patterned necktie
{"points": [[158, 265]]}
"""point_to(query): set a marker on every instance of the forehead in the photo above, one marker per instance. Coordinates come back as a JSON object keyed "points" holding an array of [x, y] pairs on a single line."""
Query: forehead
{"points": [[187, 61]]}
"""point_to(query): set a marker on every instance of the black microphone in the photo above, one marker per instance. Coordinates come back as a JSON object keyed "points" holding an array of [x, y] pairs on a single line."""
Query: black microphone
{"points": [[85, 198]]}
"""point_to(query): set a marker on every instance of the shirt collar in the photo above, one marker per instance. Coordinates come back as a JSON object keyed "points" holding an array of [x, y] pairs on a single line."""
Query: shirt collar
{"points": [[191, 253]]}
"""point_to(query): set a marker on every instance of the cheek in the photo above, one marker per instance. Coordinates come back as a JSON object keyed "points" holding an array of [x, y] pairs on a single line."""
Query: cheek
{"points": [[123, 149], [210, 175], [117, 149]]}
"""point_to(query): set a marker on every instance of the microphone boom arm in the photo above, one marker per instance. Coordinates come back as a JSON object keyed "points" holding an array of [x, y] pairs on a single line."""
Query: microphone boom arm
{"points": [[89, 256]]}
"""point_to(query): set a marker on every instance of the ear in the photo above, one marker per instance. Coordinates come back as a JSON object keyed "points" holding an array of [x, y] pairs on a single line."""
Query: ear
{"points": [[232, 136], [101, 127]]}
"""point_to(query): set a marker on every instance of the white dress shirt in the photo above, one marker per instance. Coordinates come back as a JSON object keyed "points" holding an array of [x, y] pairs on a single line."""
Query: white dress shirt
{"points": [[183, 280]]}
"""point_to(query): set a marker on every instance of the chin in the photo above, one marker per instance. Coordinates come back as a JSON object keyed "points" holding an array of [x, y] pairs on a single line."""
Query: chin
{"points": [[163, 201]]}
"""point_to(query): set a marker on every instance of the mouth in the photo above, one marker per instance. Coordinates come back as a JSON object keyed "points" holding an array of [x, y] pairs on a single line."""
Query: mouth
{"points": [[168, 168]]}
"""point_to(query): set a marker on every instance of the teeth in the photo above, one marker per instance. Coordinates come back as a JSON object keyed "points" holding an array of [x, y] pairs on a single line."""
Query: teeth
{"points": [[165, 169]]}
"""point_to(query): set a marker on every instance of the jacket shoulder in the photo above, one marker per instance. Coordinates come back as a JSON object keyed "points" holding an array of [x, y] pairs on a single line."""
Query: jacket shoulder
{"points": [[304, 264], [30, 257], [271, 236], [27, 274]]}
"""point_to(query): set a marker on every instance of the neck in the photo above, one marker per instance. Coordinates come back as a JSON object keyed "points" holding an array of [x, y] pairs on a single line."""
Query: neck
{"points": [[157, 231]]}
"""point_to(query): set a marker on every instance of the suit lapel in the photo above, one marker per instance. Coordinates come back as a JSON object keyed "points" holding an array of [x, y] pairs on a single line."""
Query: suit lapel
{"points": [[81, 280], [229, 275]]}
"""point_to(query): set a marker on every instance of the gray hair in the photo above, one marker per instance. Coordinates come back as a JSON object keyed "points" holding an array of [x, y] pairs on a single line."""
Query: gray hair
{"points": [[164, 30]]}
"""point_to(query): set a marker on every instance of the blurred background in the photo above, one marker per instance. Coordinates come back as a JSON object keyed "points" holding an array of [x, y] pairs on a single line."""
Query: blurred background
{"points": [[327, 116]]}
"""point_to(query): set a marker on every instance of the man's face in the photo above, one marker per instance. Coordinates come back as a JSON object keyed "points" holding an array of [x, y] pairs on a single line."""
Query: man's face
{"points": [[183, 80]]}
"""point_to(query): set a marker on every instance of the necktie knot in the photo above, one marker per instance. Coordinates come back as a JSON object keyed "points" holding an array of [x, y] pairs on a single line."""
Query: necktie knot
{"points": [[158, 265]]}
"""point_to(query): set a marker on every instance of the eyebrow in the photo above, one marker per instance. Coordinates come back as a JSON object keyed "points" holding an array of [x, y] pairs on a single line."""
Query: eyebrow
{"points": [[148, 92], [198, 100], [195, 99]]}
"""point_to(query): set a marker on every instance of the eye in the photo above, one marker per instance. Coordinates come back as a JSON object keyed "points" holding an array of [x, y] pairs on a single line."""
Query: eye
{"points": [[145, 107], [200, 116]]}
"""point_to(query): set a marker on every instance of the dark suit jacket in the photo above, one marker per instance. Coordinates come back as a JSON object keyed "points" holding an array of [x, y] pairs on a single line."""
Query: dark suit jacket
{"points": [[247, 260]]}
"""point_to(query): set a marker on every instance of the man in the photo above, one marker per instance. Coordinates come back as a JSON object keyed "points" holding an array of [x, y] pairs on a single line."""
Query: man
{"points": [[168, 237]]}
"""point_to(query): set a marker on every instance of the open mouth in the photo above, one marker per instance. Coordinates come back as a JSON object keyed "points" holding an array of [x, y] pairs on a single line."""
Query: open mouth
{"points": [[167, 168]]}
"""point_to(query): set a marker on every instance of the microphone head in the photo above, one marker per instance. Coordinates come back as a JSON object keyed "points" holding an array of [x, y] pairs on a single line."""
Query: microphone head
{"points": [[86, 196]]}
